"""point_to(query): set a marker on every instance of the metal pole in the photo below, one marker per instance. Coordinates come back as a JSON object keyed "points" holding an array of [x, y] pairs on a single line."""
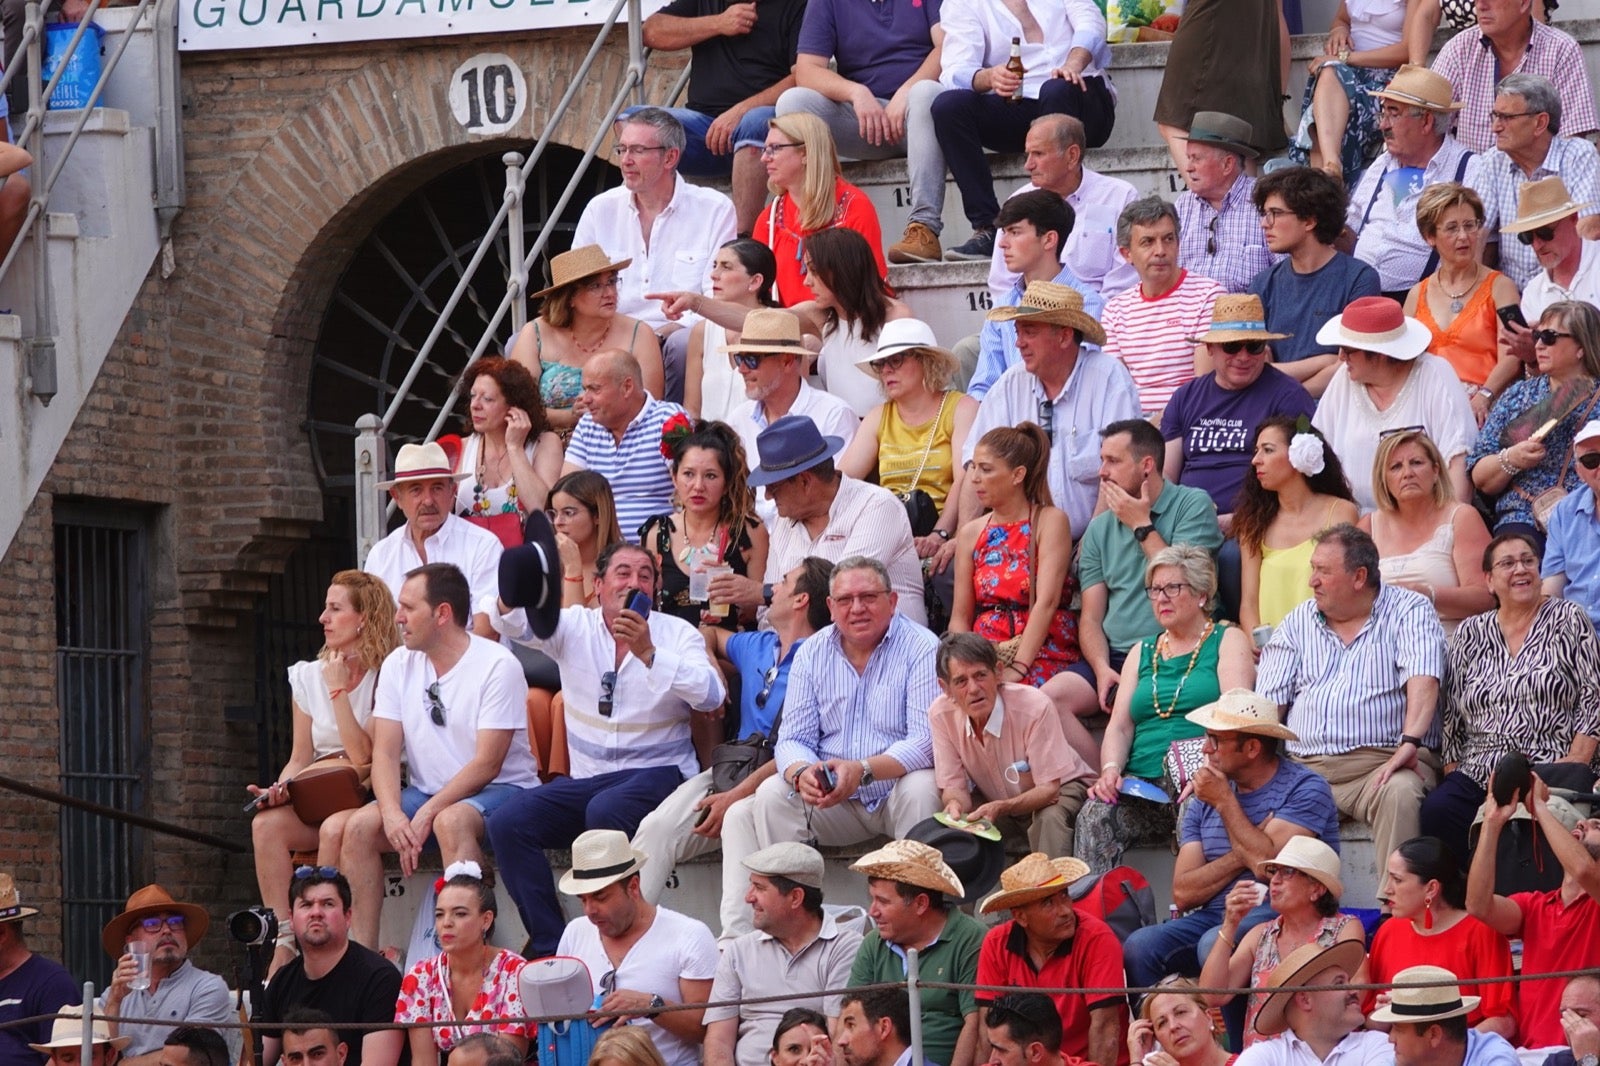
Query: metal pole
{"points": [[371, 462], [914, 993], [86, 1055], [636, 48], [42, 346], [516, 238]]}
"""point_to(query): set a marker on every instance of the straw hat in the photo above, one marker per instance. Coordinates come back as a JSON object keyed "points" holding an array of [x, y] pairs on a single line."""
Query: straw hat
{"points": [[422, 462], [577, 264], [1311, 857], [915, 337], [1422, 1005], [1419, 87], [149, 901], [1034, 877], [11, 908], [911, 862], [1239, 710], [1377, 324], [1225, 131], [1540, 203], [67, 1031], [1295, 971], [600, 857], [1238, 317], [1059, 305], [769, 331]]}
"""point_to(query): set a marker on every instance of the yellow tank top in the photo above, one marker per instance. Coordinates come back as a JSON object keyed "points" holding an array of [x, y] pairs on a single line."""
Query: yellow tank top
{"points": [[900, 448], [1285, 580]]}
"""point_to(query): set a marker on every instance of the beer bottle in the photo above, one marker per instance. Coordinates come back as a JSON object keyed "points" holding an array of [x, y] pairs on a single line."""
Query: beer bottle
{"points": [[1014, 65]]}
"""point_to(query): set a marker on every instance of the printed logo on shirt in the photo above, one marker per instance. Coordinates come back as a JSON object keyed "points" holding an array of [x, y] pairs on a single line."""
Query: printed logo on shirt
{"points": [[1218, 435]]}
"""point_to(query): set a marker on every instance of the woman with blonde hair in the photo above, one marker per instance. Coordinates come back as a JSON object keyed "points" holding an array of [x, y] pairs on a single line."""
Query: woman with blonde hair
{"points": [[1427, 541], [1175, 1027], [625, 1045], [810, 195], [332, 711]]}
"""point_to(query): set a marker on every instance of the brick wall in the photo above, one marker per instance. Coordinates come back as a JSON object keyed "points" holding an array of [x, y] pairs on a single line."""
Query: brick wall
{"points": [[292, 156]]}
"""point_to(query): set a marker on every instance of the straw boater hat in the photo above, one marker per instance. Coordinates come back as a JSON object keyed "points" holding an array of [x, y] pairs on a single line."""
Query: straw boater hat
{"points": [[1419, 87], [1377, 324], [1423, 1005], [422, 462], [1225, 131], [600, 857], [578, 264], [67, 1031], [911, 862], [913, 336], [1540, 203], [145, 903], [1238, 317], [11, 908], [1033, 878], [1297, 970], [768, 331], [1059, 305], [1239, 710], [1311, 857]]}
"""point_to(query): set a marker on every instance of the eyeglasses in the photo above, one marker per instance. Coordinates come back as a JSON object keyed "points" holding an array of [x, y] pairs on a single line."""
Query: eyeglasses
{"points": [[1211, 241], [569, 513], [1165, 592], [327, 873], [1047, 419], [771, 676], [1507, 116], [600, 284], [889, 362], [749, 362], [1285, 872], [1272, 214], [1506, 566], [1547, 337], [770, 150], [865, 599], [1459, 229], [435, 704], [153, 925], [1392, 113], [628, 151], [1543, 233], [1590, 461], [1235, 347], [608, 688]]}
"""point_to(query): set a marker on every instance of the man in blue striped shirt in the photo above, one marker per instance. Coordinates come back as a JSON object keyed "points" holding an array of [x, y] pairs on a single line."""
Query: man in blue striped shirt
{"points": [[855, 750], [619, 438], [1357, 671]]}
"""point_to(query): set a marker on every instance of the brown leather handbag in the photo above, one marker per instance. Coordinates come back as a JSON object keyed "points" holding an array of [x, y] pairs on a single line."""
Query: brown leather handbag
{"points": [[331, 784]]}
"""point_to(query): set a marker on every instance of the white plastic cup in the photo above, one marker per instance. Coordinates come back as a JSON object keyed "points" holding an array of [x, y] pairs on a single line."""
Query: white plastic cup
{"points": [[1260, 635], [1260, 891], [699, 584], [141, 963]]}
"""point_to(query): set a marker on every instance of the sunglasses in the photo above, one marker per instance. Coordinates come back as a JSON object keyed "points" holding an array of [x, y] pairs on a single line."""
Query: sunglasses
{"points": [[435, 704], [327, 873], [608, 982], [1543, 233], [1235, 347], [768, 678], [608, 688], [153, 925], [749, 362], [1211, 241], [1590, 461], [1547, 337], [888, 362]]}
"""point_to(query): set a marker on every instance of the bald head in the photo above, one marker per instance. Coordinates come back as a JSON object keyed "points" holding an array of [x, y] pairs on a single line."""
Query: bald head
{"points": [[612, 365], [613, 389]]}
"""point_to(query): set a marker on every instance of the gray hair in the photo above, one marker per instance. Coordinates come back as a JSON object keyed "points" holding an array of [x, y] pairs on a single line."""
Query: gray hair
{"points": [[1145, 211], [860, 562], [1537, 92], [668, 129], [1195, 563], [1358, 549], [1065, 130], [964, 647]]}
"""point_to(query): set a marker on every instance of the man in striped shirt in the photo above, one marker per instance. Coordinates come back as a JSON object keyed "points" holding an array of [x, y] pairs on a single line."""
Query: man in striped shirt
{"points": [[619, 438]]}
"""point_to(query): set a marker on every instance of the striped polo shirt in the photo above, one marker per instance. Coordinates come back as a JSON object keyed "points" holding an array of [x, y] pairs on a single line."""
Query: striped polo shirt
{"points": [[1151, 334], [640, 478]]}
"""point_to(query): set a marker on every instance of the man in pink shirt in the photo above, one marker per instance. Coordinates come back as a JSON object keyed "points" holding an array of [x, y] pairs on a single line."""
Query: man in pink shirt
{"points": [[999, 753]]}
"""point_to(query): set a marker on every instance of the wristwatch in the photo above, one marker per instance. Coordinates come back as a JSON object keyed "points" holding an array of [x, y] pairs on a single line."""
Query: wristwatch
{"points": [[866, 772], [656, 1002], [942, 534], [1142, 532]]}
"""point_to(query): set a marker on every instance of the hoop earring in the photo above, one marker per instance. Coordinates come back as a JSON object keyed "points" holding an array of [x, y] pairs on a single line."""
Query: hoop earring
{"points": [[1427, 914]]}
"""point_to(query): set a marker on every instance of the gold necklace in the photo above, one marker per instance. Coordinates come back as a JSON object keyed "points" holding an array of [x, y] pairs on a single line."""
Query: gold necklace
{"points": [[1155, 670]]}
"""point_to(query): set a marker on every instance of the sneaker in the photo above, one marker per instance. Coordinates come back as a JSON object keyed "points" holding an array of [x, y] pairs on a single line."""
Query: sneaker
{"points": [[918, 244], [979, 246]]}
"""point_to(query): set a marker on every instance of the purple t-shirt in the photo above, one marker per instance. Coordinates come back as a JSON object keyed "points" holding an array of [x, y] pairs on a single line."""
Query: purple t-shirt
{"points": [[879, 43], [1218, 427], [37, 987]]}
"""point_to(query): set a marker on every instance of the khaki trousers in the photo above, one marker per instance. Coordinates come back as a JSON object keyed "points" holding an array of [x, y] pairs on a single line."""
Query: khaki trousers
{"points": [[1392, 811]]}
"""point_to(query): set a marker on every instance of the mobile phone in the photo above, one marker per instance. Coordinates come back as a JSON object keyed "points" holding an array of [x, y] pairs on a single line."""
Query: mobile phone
{"points": [[640, 604], [1511, 314], [255, 802], [826, 778]]}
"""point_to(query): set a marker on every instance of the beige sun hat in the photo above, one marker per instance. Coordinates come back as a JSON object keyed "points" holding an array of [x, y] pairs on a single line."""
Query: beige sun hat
{"points": [[1239, 710], [1059, 305], [1034, 877], [911, 862], [11, 908], [1419, 87], [67, 1031], [1238, 317], [1311, 857], [577, 264], [422, 462], [768, 331], [600, 857], [1295, 971], [1441, 1000], [1540, 203]]}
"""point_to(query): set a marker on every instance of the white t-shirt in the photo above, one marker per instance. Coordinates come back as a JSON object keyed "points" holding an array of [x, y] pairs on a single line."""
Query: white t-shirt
{"points": [[486, 689], [311, 696], [675, 946]]}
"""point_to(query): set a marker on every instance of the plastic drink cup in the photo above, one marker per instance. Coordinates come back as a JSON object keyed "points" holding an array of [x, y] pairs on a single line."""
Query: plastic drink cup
{"points": [[699, 584], [1260, 635], [141, 962], [716, 610]]}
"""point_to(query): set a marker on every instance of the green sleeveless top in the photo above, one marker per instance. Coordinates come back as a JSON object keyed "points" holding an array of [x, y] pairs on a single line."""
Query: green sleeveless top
{"points": [[1176, 693]]}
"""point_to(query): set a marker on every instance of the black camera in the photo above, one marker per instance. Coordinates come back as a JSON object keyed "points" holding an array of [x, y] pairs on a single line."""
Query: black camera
{"points": [[253, 926]]}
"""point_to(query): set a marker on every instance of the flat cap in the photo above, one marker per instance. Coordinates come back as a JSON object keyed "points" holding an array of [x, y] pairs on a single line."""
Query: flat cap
{"points": [[790, 859]]}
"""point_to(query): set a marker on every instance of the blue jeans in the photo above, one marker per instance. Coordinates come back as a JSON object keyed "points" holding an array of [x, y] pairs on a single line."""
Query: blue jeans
{"points": [[485, 801], [697, 159], [552, 816], [1155, 951]]}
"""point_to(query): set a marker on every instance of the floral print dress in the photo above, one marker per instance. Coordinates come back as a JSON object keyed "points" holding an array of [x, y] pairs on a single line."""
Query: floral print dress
{"points": [[425, 997], [1000, 582]]}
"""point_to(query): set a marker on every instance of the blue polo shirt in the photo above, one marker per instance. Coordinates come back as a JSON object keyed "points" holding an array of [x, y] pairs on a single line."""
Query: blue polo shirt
{"points": [[753, 654], [1572, 549]]}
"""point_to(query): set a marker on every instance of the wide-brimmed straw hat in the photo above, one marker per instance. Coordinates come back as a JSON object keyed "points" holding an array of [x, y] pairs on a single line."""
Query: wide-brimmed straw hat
{"points": [[1540, 203], [1059, 305], [1296, 971], [1311, 857], [1377, 324], [911, 862], [768, 331], [148, 902], [577, 264], [1238, 317], [915, 337], [422, 462], [1239, 710], [11, 908], [67, 1031], [1224, 131], [1421, 1005], [600, 857], [1034, 877], [1419, 87]]}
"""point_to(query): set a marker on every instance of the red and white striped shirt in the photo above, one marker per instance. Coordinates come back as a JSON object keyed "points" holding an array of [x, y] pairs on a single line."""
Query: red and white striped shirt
{"points": [[1151, 334]]}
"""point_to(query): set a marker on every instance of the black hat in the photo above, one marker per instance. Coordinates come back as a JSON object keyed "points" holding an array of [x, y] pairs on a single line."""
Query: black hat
{"points": [[530, 576], [976, 860]]}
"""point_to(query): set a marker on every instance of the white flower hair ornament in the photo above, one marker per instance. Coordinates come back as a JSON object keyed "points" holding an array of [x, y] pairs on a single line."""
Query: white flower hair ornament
{"points": [[1307, 454], [461, 868]]}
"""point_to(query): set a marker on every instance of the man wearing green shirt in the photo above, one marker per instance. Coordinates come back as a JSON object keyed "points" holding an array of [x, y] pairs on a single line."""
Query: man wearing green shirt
{"points": [[913, 894], [1140, 512]]}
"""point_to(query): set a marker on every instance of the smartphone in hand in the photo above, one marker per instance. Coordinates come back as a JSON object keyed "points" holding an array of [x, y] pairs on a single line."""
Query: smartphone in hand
{"points": [[827, 780], [640, 604], [1511, 315]]}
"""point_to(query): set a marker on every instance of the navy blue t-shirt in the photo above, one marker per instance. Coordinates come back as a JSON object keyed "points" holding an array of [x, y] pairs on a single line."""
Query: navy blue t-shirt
{"points": [[38, 986], [1301, 304], [1218, 427]]}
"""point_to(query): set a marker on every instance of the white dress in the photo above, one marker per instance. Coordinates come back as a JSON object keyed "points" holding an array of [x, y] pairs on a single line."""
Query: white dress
{"points": [[838, 374], [721, 387]]}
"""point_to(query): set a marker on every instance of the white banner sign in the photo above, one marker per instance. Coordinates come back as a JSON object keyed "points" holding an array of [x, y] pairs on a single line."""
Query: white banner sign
{"points": [[210, 25]]}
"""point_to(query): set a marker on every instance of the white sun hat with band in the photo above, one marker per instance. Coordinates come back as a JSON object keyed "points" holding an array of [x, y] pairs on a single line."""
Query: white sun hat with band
{"points": [[1239, 710], [1377, 324]]}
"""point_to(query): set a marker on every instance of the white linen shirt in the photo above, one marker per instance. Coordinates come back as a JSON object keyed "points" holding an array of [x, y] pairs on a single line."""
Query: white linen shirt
{"points": [[978, 34], [1363, 1047], [1091, 248], [684, 237], [472, 549], [1542, 291], [1387, 238]]}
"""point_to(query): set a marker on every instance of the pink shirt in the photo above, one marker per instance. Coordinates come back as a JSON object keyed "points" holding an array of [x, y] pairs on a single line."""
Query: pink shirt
{"points": [[1151, 336], [1023, 726]]}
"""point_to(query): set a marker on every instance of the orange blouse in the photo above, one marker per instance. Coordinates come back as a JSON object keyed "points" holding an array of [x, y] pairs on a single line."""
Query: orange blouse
{"points": [[1471, 344]]}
